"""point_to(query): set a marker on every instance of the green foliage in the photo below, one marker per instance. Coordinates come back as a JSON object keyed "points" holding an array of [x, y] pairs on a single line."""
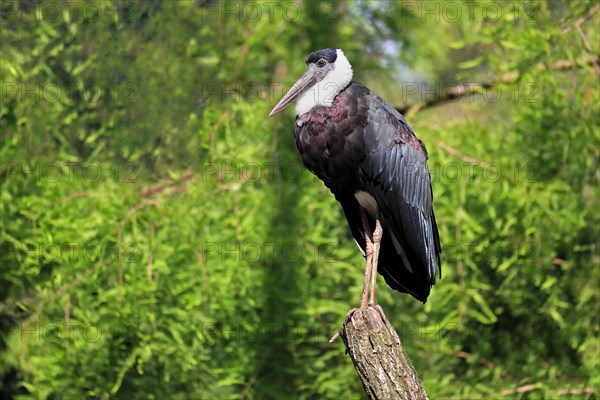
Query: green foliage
{"points": [[160, 238]]}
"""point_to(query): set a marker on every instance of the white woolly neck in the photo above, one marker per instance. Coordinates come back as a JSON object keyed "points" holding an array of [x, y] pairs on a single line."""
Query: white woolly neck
{"points": [[324, 92]]}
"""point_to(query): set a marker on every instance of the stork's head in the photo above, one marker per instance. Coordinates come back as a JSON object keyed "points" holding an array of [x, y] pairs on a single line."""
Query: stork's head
{"points": [[327, 74]]}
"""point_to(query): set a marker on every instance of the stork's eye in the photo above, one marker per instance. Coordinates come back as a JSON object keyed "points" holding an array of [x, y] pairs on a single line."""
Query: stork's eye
{"points": [[321, 63]]}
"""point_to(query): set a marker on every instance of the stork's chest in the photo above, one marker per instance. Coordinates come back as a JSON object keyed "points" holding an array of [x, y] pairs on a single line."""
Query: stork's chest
{"points": [[331, 142]]}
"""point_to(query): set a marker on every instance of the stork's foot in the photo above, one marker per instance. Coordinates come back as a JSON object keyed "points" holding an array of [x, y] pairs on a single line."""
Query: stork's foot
{"points": [[347, 319]]}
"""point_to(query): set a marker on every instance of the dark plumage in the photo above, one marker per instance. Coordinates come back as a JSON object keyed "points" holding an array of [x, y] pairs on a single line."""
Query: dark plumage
{"points": [[353, 146]]}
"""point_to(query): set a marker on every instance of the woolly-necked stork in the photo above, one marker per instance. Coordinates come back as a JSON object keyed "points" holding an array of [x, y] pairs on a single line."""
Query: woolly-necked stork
{"points": [[367, 155]]}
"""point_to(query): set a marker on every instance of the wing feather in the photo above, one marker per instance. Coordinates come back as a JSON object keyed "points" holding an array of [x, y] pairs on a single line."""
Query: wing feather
{"points": [[396, 175]]}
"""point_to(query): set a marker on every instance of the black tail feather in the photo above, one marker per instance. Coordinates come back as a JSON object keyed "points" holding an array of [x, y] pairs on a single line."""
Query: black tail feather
{"points": [[391, 265]]}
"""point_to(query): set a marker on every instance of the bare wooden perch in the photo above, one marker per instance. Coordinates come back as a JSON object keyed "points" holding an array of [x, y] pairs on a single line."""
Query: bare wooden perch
{"points": [[459, 91], [382, 364]]}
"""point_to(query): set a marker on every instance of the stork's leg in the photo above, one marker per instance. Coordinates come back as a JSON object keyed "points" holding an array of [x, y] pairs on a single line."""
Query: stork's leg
{"points": [[369, 255], [377, 235], [370, 268]]}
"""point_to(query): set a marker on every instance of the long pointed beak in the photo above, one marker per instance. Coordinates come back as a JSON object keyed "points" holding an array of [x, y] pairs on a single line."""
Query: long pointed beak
{"points": [[308, 79]]}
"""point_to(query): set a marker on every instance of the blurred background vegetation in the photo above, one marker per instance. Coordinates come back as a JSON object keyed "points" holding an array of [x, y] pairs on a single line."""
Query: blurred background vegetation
{"points": [[160, 238]]}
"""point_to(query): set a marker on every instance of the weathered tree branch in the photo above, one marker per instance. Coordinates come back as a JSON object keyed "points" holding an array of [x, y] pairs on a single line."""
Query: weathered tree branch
{"points": [[382, 364], [458, 91]]}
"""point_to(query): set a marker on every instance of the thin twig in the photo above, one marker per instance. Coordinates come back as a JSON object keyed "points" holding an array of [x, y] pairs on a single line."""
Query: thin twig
{"points": [[162, 187], [452, 151], [581, 19], [251, 381], [56, 294], [462, 305], [588, 390], [133, 210], [521, 389], [67, 323]]}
